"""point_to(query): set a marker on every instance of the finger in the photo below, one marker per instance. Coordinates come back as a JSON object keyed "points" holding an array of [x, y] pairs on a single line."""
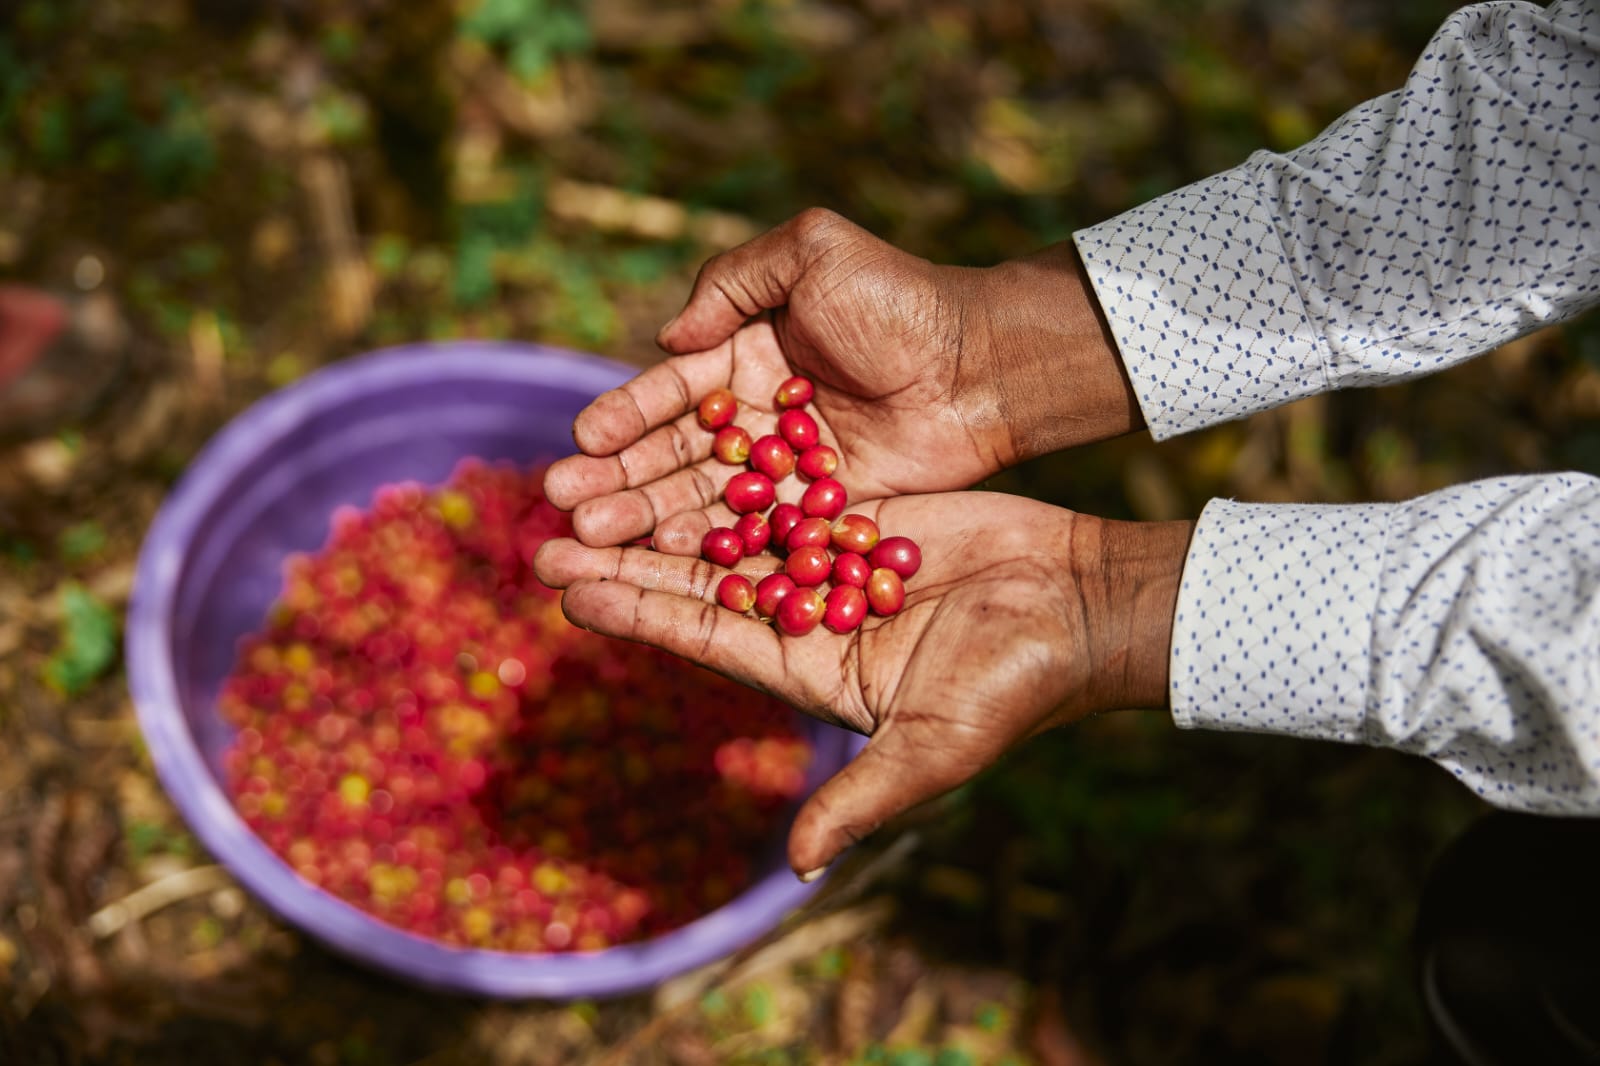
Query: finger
{"points": [[577, 478], [634, 513], [682, 533], [620, 416], [754, 277], [882, 782], [731, 644], [886, 779], [562, 562]]}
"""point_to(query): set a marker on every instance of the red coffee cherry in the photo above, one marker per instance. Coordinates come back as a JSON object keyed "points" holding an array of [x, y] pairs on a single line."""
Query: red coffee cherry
{"points": [[772, 456], [809, 533], [770, 592], [749, 491], [886, 593], [731, 445], [808, 566], [783, 519], [795, 392], [755, 531], [899, 554], [850, 569], [717, 409], [845, 609], [799, 429], [800, 612], [817, 461], [824, 498], [855, 533], [722, 546], [736, 593]]}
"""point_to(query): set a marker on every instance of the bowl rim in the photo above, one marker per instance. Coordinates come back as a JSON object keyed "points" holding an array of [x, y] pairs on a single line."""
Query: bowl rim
{"points": [[200, 799]]}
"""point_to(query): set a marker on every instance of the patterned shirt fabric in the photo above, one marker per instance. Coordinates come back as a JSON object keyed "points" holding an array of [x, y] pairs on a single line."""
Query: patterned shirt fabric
{"points": [[1419, 230]]}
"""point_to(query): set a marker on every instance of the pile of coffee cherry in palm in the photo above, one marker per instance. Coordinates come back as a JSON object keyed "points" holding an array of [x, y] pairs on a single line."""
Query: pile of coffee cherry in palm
{"points": [[821, 545]]}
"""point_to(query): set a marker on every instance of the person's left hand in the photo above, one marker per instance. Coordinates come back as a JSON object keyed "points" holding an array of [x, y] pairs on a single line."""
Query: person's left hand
{"points": [[928, 378], [1023, 616]]}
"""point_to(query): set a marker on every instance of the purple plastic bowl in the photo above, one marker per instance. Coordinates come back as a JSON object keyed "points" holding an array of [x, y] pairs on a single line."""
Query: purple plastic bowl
{"points": [[211, 566]]}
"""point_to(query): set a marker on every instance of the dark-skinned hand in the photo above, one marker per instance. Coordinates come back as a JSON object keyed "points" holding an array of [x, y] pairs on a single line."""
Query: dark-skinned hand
{"points": [[928, 378], [1023, 616]]}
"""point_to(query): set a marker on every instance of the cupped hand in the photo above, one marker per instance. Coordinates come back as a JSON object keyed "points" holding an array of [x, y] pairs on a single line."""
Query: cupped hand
{"points": [[1023, 616], [928, 378]]}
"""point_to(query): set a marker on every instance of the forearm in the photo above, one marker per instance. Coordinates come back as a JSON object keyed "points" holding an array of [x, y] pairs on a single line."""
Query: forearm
{"points": [[1463, 626]]}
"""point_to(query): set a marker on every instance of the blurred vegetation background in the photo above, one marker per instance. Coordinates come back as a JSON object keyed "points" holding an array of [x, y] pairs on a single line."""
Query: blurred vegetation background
{"points": [[266, 186]]}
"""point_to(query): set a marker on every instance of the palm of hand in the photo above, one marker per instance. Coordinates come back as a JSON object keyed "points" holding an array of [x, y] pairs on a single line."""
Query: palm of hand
{"points": [[987, 650], [884, 351], [884, 356]]}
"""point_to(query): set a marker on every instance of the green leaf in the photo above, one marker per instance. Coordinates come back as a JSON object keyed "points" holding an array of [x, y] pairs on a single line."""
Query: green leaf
{"points": [[830, 964], [992, 1017], [583, 311], [643, 266], [342, 118], [143, 838], [53, 134], [339, 42], [88, 642], [473, 283], [759, 1005], [533, 32], [18, 551], [494, 21], [389, 254], [714, 1004], [81, 541], [910, 1056], [176, 154], [15, 79], [108, 113]]}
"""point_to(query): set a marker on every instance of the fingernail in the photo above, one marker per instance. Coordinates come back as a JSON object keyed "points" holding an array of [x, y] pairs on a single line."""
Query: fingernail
{"points": [[811, 875], [661, 334]]}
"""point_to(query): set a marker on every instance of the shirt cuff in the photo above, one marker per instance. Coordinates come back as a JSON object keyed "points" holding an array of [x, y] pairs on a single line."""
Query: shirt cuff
{"points": [[1203, 305], [1274, 626]]}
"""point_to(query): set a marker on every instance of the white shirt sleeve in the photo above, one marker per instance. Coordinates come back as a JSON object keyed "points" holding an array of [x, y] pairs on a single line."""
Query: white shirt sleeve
{"points": [[1463, 626], [1422, 228]]}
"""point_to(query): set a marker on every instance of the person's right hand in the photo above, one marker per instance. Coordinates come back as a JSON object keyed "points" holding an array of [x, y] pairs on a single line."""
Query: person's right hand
{"points": [[928, 378], [1023, 616]]}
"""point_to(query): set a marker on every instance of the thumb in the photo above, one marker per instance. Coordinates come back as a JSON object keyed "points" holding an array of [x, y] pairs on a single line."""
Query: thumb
{"points": [[883, 781], [756, 276]]}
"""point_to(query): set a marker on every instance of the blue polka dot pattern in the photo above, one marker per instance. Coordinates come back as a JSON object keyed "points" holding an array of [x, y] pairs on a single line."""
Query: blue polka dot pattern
{"points": [[1463, 626], [1420, 229]]}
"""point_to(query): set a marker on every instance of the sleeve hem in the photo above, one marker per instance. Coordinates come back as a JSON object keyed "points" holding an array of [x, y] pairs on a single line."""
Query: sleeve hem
{"points": [[1203, 305], [1274, 627]]}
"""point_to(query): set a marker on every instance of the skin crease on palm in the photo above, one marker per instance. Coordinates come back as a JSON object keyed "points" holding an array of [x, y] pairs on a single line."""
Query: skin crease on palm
{"points": [[928, 379], [1022, 617]]}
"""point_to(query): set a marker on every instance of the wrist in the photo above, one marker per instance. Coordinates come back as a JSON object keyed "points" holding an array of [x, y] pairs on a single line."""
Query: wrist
{"points": [[1055, 367], [1128, 574]]}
